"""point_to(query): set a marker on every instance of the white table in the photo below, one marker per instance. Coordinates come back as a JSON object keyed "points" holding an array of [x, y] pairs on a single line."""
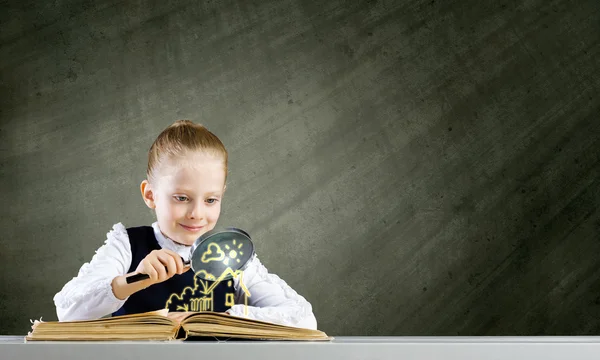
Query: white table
{"points": [[405, 348]]}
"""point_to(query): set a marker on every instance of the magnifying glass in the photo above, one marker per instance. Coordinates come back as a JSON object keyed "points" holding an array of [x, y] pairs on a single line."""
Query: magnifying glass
{"points": [[214, 252]]}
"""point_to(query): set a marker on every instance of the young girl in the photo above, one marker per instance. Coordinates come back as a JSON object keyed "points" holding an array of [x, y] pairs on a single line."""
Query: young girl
{"points": [[187, 169]]}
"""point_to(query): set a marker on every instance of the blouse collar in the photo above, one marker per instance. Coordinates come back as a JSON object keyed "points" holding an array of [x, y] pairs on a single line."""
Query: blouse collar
{"points": [[166, 243]]}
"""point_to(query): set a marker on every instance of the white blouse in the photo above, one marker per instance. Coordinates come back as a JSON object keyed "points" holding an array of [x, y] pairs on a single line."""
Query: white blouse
{"points": [[90, 295]]}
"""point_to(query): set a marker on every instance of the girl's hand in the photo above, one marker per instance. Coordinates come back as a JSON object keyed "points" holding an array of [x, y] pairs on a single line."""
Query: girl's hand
{"points": [[161, 265]]}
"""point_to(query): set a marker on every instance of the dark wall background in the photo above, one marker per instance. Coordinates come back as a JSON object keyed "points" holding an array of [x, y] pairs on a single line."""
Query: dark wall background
{"points": [[410, 167]]}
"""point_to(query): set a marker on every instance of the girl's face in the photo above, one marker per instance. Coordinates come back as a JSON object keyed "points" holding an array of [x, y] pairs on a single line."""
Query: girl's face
{"points": [[186, 194]]}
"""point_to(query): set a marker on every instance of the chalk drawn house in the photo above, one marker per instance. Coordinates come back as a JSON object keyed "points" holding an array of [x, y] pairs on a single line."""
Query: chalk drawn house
{"points": [[201, 296]]}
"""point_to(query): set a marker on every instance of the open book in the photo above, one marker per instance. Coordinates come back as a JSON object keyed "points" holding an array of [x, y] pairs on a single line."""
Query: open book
{"points": [[165, 325]]}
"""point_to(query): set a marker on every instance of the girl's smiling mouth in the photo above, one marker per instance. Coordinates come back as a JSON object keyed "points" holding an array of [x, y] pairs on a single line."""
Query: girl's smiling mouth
{"points": [[192, 228]]}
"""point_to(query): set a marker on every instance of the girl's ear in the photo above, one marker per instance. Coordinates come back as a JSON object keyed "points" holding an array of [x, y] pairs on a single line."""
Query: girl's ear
{"points": [[147, 194], [224, 188]]}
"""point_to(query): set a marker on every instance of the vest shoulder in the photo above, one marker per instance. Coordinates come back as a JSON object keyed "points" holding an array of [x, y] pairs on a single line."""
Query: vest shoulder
{"points": [[139, 228], [136, 233]]}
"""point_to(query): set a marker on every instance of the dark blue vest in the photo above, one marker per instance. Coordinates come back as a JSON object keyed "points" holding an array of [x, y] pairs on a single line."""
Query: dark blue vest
{"points": [[156, 296]]}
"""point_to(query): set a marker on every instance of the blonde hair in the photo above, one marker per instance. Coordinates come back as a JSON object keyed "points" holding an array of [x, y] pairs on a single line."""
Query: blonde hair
{"points": [[180, 137]]}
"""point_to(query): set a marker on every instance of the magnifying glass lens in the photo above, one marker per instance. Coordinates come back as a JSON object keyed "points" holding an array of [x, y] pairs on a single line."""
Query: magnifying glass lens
{"points": [[221, 254]]}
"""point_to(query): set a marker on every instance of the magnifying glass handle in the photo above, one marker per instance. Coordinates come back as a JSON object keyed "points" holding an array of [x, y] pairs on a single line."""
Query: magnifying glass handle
{"points": [[139, 277], [136, 278]]}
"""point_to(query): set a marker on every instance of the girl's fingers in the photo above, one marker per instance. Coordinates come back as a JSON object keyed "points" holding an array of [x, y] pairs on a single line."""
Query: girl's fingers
{"points": [[179, 263], [163, 264], [160, 269], [148, 268], [171, 265], [177, 259]]}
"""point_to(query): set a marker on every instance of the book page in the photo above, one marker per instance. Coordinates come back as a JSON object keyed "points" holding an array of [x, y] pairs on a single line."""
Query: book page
{"points": [[179, 316]]}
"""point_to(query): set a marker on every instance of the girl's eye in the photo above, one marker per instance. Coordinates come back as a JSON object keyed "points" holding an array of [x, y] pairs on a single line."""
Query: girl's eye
{"points": [[181, 198], [211, 201]]}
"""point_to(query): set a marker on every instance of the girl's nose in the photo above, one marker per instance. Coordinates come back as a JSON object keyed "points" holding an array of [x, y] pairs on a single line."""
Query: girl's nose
{"points": [[196, 211]]}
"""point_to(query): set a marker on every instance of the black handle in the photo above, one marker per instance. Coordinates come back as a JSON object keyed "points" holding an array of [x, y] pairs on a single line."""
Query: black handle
{"points": [[140, 277], [136, 278]]}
